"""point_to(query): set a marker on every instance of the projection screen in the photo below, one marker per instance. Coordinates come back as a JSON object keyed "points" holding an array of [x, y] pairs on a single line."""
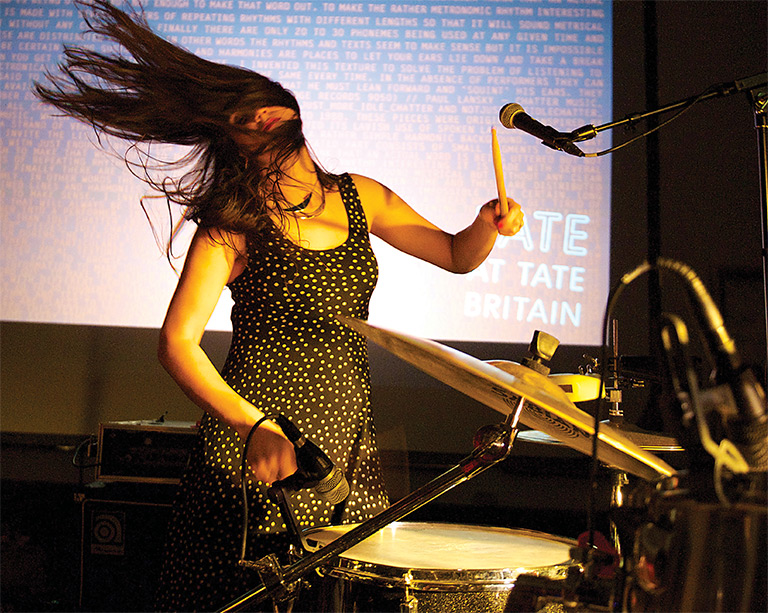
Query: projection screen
{"points": [[405, 92]]}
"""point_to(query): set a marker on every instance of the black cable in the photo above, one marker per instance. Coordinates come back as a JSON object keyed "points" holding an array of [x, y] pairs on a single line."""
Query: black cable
{"points": [[78, 450], [717, 341], [243, 479], [82, 467]]}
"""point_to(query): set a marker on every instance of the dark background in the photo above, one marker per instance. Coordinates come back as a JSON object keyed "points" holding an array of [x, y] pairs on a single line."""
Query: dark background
{"points": [[60, 382]]}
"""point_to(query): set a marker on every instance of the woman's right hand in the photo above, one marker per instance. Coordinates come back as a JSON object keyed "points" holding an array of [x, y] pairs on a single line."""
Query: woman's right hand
{"points": [[271, 455]]}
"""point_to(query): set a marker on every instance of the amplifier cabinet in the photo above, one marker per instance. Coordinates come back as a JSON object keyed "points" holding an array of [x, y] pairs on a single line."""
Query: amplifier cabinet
{"points": [[122, 536], [144, 451]]}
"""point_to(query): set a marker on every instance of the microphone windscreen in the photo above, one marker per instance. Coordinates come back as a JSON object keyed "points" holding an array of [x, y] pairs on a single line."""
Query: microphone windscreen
{"points": [[507, 113], [334, 488]]}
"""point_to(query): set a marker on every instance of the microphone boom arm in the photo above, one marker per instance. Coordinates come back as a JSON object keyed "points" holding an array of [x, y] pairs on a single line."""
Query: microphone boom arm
{"points": [[717, 91]]}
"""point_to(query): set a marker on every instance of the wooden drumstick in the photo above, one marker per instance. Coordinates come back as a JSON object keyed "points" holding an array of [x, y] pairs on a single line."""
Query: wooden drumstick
{"points": [[503, 207]]}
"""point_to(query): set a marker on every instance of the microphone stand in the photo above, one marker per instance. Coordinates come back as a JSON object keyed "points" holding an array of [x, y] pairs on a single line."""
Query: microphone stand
{"points": [[759, 98], [757, 89], [492, 444], [717, 91]]}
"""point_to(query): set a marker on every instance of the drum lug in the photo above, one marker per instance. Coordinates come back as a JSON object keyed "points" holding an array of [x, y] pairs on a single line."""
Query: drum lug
{"points": [[409, 604]]}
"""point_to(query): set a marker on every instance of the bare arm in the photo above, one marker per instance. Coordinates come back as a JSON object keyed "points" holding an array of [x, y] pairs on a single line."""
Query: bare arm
{"points": [[395, 222], [209, 265]]}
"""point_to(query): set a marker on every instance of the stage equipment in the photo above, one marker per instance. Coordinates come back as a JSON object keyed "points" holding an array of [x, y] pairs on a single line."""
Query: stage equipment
{"points": [[755, 87], [122, 534], [513, 116], [492, 444], [144, 451], [315, 469], [434, 567], [622, 373], [692, 555], [523, 395], [700, 535], [500, 385]]}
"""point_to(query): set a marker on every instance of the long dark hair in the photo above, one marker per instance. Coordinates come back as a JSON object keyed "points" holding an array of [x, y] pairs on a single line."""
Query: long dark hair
{"points": [[162, 93]]}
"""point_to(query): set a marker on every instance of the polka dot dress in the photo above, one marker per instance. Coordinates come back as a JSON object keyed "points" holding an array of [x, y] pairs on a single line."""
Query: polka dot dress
{"points": [[290, 355]]}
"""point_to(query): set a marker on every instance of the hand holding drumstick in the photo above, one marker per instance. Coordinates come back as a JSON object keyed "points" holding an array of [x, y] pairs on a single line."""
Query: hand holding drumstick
{"points": [[509, 215]]}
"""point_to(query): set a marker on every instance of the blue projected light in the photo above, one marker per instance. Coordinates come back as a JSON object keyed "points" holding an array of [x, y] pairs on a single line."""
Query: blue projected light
{"points": [[406, 93]]}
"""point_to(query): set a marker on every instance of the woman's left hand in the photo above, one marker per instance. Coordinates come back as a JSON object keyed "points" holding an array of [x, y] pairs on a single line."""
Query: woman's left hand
{"points": [[507, 225]]}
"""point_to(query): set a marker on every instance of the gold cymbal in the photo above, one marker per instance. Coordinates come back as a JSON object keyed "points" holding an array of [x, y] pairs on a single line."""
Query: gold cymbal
{"points": [[579, 388], [645, 439], [500, 385]]}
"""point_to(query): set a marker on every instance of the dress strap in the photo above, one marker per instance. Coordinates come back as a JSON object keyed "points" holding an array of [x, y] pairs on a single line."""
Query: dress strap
{"points": [[353, 206]]}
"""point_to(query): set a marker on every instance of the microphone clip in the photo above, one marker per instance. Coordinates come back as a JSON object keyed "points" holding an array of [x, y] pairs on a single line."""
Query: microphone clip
{"points": [[277, 495], [560, 141]]}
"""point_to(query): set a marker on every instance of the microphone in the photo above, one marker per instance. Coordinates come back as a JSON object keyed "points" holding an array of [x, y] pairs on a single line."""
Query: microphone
{"points": [[750, 427], [512, 116], [315, 469]]}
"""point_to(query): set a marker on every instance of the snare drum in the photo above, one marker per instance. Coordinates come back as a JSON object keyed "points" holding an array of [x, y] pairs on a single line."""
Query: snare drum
{"points": [[444, 567]]}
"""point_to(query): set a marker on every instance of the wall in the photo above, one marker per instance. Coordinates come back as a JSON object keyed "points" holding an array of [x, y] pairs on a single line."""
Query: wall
{"points": [[67, 379]]}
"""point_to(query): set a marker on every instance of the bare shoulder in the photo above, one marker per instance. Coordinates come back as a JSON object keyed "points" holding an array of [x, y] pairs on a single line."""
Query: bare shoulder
{"points": [[375, 197], [367, 186], [216, 236], [215, 247], [372, 196], [231, 243]]}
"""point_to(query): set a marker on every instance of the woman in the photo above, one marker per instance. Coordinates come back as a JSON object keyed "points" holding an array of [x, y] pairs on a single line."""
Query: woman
{"points": [[291, 242]]}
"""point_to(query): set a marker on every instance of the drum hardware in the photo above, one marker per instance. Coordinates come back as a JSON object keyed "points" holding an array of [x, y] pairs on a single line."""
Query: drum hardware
{"points": [[613, 394], [631, 371], [437, 568], [499, 384], [693, 555], [495, 445], [569, 425], [409, 604], [615, 412], [599, 583], [272, 577], [585, 385], [625, 372], [590, 585], [268, 567], [581, 591], [542, 348], [521, 392]]}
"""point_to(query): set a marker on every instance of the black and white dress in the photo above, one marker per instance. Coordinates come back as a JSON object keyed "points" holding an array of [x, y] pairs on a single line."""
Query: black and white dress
{"points": [[289, 354]]}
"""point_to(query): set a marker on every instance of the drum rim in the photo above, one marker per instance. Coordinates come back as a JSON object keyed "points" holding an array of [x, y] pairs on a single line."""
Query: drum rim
{"points": [[442, 579]]}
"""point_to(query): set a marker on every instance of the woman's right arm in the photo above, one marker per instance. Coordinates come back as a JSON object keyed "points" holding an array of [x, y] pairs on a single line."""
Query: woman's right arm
{"points": [[211, 262]]}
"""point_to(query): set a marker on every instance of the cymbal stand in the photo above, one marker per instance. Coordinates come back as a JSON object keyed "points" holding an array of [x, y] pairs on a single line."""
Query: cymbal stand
{"points": [[619, 478], [615, 412], [492, 444]]}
